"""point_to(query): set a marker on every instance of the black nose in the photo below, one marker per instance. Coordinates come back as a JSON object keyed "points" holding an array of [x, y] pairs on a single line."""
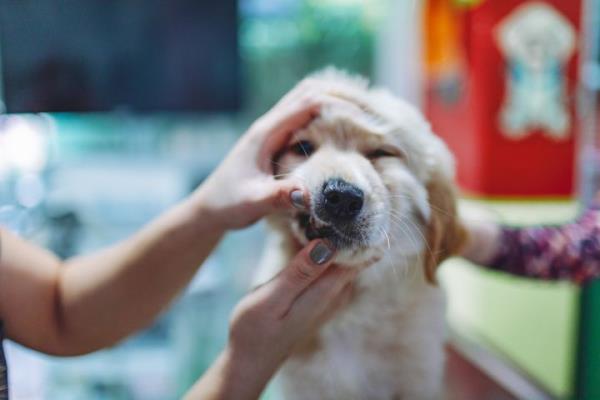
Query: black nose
{"points": [[341, 200]]}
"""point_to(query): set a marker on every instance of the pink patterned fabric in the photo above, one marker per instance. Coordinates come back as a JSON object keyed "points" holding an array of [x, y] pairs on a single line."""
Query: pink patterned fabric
{"points": [[566, 252]]}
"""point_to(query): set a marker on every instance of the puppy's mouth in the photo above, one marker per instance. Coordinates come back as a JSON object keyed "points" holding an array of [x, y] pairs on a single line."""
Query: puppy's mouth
{"points": [[341, 237]]}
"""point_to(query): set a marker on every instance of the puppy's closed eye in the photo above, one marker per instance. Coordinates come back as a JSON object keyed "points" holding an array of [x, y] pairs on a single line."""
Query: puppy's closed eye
{"points": [[383, 153]]}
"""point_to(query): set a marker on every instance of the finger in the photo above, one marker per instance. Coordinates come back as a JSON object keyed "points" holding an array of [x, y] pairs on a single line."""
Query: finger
{"points": [[304, 269], [284, 194], [314, 302], [269, 195]]}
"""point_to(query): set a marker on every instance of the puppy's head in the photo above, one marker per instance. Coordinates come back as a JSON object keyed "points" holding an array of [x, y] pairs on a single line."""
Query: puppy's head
{"points": [[379, 180]]}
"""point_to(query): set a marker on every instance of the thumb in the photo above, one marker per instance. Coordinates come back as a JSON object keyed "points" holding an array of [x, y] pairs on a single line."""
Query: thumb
{"points": [[301, 272], [281, 195]]}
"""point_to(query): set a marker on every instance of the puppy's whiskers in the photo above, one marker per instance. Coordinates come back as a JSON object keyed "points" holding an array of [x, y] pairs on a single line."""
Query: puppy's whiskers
{"points": [[406, 230], [277, 176], [290, 174], [402, 222], [277, 164], [409, 197], [382, 230]]}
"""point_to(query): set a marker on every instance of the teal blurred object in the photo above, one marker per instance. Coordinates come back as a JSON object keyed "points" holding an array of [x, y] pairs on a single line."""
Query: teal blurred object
{"points": [[300, 37]]}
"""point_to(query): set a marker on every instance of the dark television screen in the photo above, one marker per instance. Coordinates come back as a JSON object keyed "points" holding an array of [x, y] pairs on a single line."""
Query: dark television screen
{"points": [[96, 55]]}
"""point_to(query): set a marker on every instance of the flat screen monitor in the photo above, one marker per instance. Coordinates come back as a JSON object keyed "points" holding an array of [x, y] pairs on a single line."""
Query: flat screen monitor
{"points": [[98, 55]]}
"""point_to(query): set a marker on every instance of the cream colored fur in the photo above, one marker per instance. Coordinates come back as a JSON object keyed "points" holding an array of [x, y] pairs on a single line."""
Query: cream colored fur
{"points": [[388, 342]]}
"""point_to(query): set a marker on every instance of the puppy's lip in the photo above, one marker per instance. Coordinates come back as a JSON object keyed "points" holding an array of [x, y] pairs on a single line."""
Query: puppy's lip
{"points": [[314, 229], [325, 232]]}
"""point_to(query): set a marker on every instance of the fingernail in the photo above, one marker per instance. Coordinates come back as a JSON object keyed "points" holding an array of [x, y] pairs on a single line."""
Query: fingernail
{"points": [[321, 253], [297, 198]]}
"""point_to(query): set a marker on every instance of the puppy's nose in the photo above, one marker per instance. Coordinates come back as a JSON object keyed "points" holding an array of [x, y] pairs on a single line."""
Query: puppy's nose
{"points": [[341, 200]]}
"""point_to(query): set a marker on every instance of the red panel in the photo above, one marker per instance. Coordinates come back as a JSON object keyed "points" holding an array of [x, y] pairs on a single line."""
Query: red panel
{"points": [[489, 163]]}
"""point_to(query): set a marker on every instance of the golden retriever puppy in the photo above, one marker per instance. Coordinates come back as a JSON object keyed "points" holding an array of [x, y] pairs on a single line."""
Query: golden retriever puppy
{"points": [[381, 190]]}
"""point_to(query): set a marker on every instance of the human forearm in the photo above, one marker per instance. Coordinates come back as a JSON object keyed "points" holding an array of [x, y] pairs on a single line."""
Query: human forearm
{"points": [[110, 294]]}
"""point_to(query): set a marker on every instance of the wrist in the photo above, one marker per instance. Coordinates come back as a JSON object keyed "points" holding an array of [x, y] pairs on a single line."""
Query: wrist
{"points": [[244, 376], [205, 213]]}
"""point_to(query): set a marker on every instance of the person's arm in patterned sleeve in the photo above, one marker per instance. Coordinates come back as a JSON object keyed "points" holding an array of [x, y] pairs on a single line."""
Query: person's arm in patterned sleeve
{"points": [[565, 252]]}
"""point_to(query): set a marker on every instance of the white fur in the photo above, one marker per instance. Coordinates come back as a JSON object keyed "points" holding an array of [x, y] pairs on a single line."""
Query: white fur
{"points": [[402, 319]]}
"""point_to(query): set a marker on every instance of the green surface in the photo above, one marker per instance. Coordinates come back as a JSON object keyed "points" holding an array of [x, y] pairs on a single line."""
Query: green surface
{"points": [[588, 365], [532, 323]]}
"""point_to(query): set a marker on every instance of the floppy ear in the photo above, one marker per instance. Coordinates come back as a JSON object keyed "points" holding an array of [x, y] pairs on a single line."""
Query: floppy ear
{"points": [[445, 234]]}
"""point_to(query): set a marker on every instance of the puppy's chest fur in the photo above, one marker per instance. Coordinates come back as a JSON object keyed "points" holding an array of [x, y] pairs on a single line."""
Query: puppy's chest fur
{"points": [[386, 344]]}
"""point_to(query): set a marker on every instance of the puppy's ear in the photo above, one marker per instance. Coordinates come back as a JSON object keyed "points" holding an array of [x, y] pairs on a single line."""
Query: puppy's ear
{"points": [[445, 234]]}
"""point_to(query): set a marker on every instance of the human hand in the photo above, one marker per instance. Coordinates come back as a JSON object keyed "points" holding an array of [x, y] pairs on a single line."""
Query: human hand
{"points": [[270, 321], [243, 189], [483, 234]]}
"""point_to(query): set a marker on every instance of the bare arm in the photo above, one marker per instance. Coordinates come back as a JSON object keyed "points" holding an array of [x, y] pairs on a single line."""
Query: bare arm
{"points": [[90, 302]]}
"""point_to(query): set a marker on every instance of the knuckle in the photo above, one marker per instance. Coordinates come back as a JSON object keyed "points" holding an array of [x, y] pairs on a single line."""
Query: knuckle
{"points": [[302, 272]]}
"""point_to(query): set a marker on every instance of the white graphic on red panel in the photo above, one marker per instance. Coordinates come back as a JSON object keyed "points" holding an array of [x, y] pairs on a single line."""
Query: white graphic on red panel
{"points": [[537, 41]]}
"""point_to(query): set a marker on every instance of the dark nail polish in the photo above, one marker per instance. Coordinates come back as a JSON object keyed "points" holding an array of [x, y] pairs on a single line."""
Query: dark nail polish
{"points": [[321, 253], [297, 198]]}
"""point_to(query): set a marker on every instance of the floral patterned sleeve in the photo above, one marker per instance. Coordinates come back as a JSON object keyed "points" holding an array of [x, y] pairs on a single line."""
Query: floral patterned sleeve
{"points": [[566, 252]]}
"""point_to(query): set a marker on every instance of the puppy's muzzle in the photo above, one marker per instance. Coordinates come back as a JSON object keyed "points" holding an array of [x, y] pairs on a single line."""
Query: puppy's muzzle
{"points": [[336, 214]]}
